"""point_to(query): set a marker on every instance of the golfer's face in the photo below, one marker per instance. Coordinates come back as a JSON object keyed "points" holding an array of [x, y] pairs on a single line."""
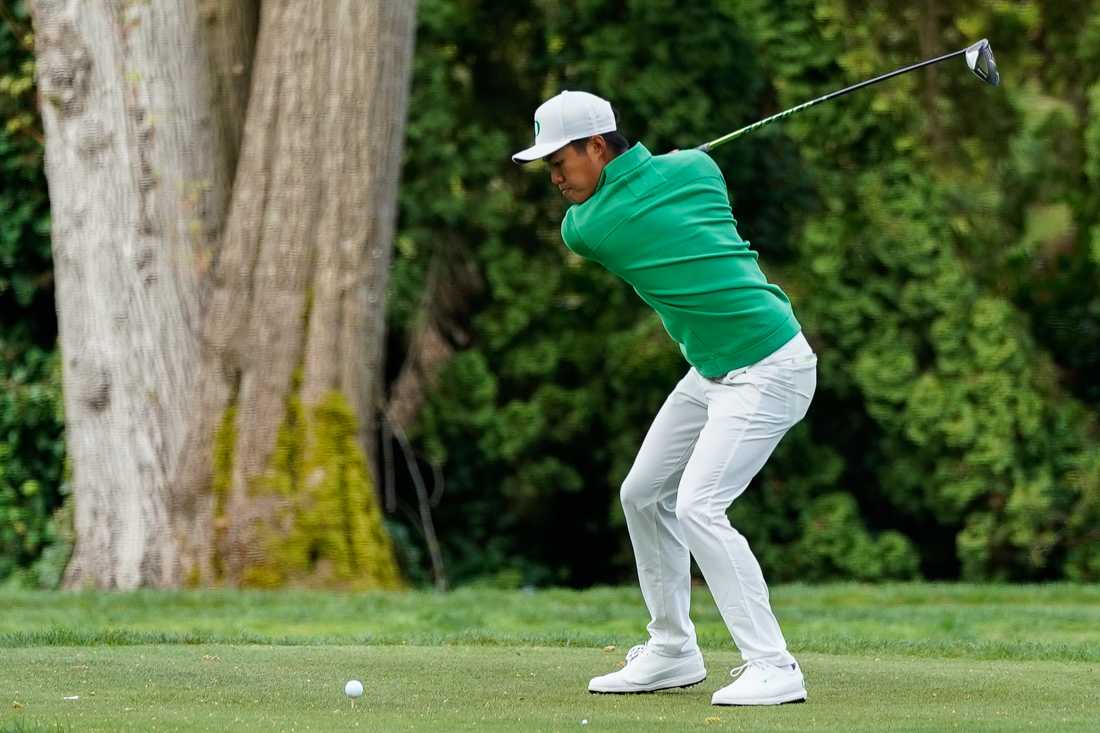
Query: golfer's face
{"points": [[575, 174]]}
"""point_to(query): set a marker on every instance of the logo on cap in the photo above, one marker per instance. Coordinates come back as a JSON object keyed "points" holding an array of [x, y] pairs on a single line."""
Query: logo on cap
{"points": [[537, 128]]}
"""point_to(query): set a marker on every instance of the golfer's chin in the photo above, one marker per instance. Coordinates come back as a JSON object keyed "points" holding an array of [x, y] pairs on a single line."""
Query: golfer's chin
{"points": [[574, 196]]}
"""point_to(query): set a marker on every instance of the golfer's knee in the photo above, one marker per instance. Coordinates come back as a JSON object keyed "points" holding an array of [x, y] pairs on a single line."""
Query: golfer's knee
{"points": [[635, 493]]}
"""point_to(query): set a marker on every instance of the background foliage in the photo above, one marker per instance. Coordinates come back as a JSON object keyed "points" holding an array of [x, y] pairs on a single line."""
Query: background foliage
{"points": [[940, 241], [31, 444]]}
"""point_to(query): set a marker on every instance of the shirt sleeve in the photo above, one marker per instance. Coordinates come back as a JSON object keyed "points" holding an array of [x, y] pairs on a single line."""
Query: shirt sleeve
{"points": [[572, 237]]}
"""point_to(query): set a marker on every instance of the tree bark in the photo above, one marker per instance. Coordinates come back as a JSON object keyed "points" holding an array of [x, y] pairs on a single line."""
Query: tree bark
{"points": [[220, 282], [440, 324], [138, 180], [230, 31], [390, 74], [297, 299]]}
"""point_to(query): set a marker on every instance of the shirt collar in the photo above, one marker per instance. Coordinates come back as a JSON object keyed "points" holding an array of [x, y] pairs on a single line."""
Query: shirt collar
{"points": [[623, 163]]}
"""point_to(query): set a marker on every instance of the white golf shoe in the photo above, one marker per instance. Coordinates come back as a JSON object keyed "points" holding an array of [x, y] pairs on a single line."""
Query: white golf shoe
{"points": [[761, 683], [648, 671]]}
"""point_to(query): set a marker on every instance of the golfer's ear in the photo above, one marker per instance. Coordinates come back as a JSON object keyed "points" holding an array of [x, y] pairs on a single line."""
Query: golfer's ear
{"points": [[599, 145]]}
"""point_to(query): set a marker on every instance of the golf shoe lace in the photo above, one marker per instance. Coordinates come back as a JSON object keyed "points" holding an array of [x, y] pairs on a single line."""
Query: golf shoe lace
{"points": [[635, 651], [737, 671]]}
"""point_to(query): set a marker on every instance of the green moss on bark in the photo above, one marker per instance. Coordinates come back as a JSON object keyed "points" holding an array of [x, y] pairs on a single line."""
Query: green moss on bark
{"points": [[326, 529], [225, 440]]}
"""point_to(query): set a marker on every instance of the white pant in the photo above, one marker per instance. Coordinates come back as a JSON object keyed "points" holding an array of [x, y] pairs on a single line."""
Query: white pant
{"points": [[705, 445]]}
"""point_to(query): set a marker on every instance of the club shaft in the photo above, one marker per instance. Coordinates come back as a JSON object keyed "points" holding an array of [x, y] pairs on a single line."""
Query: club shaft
{"points": [[831, 95]]}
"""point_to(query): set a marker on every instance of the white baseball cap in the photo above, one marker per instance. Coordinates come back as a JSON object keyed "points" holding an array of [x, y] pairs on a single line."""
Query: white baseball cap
{"points": [[564, 118]]}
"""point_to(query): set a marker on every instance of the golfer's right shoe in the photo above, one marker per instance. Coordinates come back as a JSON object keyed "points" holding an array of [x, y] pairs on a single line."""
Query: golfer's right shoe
{"points": [[648, 671], [759, 683]]}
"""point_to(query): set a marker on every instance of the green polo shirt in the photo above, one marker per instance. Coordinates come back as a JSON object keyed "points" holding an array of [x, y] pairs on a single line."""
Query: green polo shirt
{"points": [[663, 224]]}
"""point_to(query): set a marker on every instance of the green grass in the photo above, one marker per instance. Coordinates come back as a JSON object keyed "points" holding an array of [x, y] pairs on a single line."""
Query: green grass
{"points": [[899, 657]]}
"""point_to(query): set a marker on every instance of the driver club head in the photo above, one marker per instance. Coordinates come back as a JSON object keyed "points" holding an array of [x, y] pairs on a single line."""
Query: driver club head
{"points": [[979, 57]]}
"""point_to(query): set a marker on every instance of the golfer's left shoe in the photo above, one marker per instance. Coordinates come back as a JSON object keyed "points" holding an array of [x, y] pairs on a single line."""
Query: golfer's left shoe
{"points": [[761, 683]]}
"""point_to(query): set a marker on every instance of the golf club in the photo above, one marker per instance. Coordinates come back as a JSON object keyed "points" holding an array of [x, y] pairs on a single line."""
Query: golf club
{"points": [[979, 58]]}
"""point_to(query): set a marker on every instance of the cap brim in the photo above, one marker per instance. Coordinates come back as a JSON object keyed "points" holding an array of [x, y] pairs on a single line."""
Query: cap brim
{"points": [[535, 152]]}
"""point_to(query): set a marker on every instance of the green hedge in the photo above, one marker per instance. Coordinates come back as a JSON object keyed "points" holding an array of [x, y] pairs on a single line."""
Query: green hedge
{"points": [[32, 452], [940, 241], [931, 231]]}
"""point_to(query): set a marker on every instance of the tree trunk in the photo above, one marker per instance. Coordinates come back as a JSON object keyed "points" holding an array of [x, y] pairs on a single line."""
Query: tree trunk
{"points": [[138, 179], [291, 335], [220, 285], [440, 324]]}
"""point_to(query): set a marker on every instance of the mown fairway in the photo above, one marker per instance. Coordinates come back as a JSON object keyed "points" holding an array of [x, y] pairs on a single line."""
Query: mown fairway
{"points": [[899, 657]]}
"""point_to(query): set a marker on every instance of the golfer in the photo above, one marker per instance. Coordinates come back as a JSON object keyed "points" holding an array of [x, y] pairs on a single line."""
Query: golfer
{"points": [[663, 224]]}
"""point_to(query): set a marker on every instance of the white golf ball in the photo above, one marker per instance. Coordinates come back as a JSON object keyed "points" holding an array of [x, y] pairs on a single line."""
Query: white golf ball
{"points": [[354, 688]]}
